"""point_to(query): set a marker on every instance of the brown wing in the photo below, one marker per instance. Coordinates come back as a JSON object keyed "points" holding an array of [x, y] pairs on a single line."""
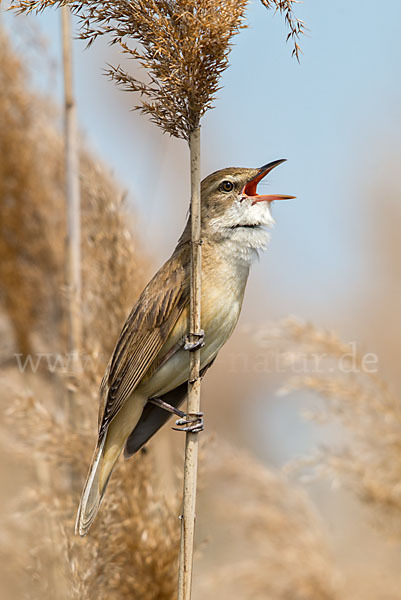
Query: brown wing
{"points": [[144, 333]]}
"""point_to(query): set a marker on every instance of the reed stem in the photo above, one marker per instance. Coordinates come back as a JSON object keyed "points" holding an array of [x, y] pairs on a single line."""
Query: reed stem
{"points": [[194, 382]]}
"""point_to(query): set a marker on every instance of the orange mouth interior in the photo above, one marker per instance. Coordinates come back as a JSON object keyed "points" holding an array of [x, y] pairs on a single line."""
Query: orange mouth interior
{"points": [[250, 189]]}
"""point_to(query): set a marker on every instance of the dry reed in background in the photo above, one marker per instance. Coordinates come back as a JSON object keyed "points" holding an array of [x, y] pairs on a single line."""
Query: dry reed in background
{"points": [[361, 402], [32, 242], [275, 549], [183, 45], [138, 558], [31, 220], [132, 550]]}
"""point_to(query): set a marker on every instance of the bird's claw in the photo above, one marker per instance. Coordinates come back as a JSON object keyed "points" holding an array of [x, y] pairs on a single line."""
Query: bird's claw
{"points": [[192, 422], [199, 343]]}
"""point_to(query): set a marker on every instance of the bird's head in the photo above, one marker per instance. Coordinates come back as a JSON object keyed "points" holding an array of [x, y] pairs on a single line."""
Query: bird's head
{"points": [[233, 210]]}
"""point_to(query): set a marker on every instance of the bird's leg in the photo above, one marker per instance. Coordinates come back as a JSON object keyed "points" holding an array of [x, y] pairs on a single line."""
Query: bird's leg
{"points": [[198, 343], [187, 421], [171, 409]]}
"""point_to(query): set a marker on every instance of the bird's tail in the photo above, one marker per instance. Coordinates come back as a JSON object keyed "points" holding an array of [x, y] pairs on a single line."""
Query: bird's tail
{"points": [[107, 451], [94, 488]]}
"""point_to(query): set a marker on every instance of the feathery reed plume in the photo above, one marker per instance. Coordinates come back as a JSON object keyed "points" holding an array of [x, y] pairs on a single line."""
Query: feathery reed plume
{"points": [[184, 47], [362, 402], [296, 26]]}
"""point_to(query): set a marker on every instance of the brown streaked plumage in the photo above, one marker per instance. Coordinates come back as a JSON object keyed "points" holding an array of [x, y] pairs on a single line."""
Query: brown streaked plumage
{"points": [[149, 360]]}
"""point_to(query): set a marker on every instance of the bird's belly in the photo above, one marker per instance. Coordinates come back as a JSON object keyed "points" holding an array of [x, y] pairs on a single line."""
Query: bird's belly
{"points": [[218, 326]]}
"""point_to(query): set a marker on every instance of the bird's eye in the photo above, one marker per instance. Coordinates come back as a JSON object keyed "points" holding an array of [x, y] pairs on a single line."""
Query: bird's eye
{"points": [[226, 186]]}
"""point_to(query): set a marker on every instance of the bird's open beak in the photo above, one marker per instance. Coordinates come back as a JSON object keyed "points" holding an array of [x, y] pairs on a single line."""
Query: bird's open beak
{"points": [[249, 190]]}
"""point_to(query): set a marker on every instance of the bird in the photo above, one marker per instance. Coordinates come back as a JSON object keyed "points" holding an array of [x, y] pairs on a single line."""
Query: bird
{"points": [[147, 375]]}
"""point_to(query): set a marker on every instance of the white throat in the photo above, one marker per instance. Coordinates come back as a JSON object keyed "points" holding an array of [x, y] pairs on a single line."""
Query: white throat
{"points": [[243, 230]]}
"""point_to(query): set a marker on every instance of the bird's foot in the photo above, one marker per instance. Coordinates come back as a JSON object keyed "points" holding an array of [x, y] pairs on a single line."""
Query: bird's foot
{"points": [[198, 343], [192, 422]]}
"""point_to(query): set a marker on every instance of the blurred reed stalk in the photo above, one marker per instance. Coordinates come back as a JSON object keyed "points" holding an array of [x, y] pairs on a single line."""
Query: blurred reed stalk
{"points": [[183, 45], [73, 206]]}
